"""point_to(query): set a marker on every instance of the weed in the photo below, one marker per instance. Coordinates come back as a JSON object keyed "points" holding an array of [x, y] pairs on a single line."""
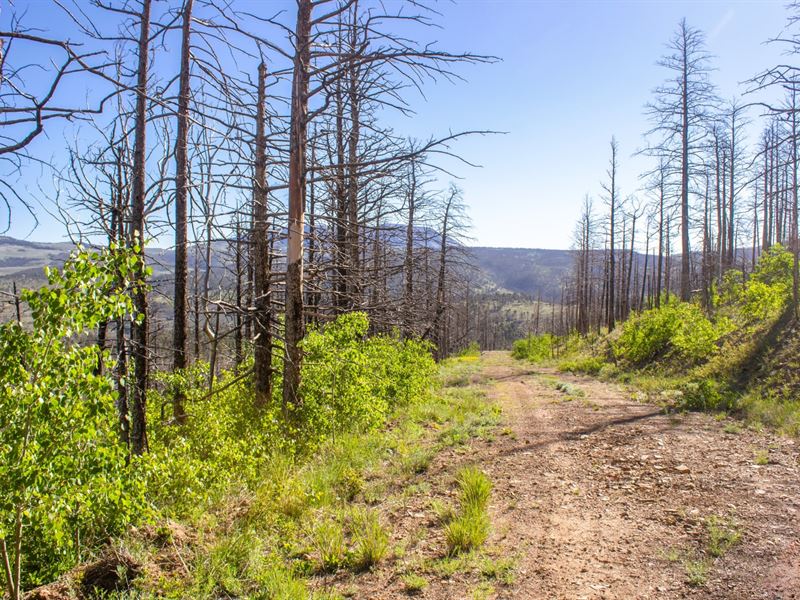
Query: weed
{"points": [[723, 534], [569, 390], [672, 554], [732, 428], [483, 591], [762, 457], [444, 512], [417, 460], [696, 571]]}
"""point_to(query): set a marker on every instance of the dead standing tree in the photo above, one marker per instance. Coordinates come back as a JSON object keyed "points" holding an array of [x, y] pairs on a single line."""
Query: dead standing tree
{"points": [[680, 114]]}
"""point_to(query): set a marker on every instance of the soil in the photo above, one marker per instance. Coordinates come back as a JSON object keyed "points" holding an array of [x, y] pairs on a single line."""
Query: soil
{"points": [[597, 495]]}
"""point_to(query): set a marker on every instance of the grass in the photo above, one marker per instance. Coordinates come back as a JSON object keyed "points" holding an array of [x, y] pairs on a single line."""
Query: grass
{"points": [[370, 537], [732, 428], [469, 529], [414, 584], [324, 515], [329, 545], [500, 569]]}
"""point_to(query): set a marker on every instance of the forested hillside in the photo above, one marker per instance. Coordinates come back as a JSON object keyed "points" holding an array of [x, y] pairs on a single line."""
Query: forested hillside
{"points": [[261, 355]]}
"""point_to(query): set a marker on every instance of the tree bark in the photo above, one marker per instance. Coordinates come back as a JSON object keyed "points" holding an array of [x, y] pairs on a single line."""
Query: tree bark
{"points": [[139, 326], [295, 326], [181, 225], [262, 346]]}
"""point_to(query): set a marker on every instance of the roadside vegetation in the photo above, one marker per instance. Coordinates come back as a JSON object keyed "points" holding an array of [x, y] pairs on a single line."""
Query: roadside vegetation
{"points": [[239, 501], [735, 355]]}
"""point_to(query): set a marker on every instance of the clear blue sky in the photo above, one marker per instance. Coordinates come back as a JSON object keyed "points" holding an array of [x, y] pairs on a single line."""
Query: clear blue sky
{"points": [[572, 75]]}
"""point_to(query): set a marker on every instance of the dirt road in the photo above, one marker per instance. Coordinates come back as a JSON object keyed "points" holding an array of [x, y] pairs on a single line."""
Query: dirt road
{"points": [[600, 496]]}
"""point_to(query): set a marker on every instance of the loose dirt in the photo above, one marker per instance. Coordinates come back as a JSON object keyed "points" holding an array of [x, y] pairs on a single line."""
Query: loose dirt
{"points": [[597, 495]]}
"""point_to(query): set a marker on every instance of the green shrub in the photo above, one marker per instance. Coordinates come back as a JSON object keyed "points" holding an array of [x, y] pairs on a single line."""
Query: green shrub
{"points": [[679, 331], [768, 290], [352, 382], [64, 483], [534, 348], [706, 395], [591, 365], [473, 350]]}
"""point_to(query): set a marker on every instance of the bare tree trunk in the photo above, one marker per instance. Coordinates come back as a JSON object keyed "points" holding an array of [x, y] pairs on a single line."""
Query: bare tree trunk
{"points": [[262, 347], [795, 245], [139, 326], [612, 191], [686, 290], [660, 266], [181, 225], [238, 351], [408, 264], [297, 199]]}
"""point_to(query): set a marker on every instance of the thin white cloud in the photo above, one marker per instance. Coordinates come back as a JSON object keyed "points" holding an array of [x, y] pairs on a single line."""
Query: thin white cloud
{"points": [[721, 24]]}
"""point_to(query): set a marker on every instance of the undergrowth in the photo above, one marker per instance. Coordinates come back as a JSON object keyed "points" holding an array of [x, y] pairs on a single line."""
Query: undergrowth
{"points": [[736, 356]]}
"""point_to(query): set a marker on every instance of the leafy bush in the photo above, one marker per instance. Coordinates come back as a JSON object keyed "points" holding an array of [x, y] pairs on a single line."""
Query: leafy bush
{"points": [[351, 382], [591, 365], [534, 348], [767, 291], [679, 331], [473, 350], [64, 484], [706, 395]]}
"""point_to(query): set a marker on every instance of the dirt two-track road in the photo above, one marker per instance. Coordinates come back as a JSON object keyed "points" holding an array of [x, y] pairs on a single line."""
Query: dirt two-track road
{"points": [[600, 496]]}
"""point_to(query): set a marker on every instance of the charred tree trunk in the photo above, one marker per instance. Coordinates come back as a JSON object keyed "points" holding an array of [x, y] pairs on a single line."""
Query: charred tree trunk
{"points": [[297, 199], [139, 326], [262, 343], [181, 224]]}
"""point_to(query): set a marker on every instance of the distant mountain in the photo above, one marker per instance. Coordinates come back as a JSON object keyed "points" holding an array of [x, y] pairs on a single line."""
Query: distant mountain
{"points": [[529, 271], [23, 261], [519, 270]]}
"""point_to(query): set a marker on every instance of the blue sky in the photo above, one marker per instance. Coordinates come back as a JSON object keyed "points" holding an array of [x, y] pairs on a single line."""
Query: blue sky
{"points": [[572, 75]]}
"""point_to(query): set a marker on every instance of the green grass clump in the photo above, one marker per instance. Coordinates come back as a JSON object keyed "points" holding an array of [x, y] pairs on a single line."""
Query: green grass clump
{"points": [[327, 539], [414, 584], [475, 489], [371, 540], [469, 529], [499, 569]]}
